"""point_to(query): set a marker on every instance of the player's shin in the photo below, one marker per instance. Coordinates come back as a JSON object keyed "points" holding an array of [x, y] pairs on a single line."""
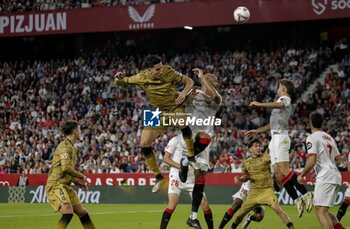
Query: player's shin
{"points": [[300, 187], [166, 218], [152, 162], [342, 209], [289, 186], [64, 221], [197, 196], [187, 135], [227, 217], [208, 215], [86, 222]]}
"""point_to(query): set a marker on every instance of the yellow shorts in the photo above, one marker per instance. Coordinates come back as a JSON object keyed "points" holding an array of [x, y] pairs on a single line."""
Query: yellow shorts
{"points": [[258, 197], [61, 194]]}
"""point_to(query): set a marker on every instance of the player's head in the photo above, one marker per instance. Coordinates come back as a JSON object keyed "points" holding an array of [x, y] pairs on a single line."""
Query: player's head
{"points": [[254, 147], [154, 64], [71, 128], [212, 79], [286, 86], [316, 120]]}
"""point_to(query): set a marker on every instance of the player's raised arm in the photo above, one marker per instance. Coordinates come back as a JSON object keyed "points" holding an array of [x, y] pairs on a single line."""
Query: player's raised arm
{"points": [[257, 131], [209, 81], [188, 82], [272, 105]]}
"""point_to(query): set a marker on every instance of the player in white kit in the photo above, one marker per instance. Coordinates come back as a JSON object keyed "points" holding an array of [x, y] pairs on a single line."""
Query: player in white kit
{"points": [[174, 152], [346, 202], [238, 199], [280, 144], [201, 104], [322, 153]]}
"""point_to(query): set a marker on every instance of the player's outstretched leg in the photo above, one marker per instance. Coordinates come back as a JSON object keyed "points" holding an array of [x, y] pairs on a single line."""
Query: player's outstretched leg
{"points": [[257, 216], [343, 207]]}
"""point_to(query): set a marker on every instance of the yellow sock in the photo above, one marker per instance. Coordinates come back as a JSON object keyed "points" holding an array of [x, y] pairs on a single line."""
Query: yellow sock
{"points": [[61, 225], [152, 164], [190, 148]]}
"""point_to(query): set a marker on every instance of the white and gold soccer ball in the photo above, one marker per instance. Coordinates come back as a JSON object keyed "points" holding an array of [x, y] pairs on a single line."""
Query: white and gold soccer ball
{"points": [[241, 14]]}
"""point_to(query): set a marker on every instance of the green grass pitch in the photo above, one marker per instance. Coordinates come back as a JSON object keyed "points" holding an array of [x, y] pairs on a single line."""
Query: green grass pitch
{"points": [[145, 216]]}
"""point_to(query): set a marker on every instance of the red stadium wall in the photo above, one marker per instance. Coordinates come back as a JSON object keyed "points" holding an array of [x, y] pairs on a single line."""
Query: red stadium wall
{"points": [[135, 179], [170, 15]]}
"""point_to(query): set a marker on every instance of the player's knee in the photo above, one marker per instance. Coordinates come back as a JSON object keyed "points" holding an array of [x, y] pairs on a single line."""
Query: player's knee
{"points": [[66, 209], [80, 210]]}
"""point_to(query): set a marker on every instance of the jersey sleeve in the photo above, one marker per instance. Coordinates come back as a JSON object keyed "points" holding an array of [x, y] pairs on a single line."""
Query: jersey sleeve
{"points": [[311, 146], [174, 76], [335, 149], [135, 79], [171, 147], [285, 100], [65, 155]]}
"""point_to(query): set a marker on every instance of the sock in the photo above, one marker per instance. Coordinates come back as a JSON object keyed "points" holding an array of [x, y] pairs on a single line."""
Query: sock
{"points": [[227, 217], [151, 161], [234, 226], [343, 207], [197, 194], [290, 224], [289, 186], [64, 221], [300, 187], [251, 218], [208, 215], [86, 222], [200, 144], [166, 218], [194, 215], [338, 226], [187, 135]]}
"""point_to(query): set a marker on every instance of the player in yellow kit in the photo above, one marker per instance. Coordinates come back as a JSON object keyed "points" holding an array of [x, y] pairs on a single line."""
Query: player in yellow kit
{"points": [[160, 85], [257, 170], [59, 192]]}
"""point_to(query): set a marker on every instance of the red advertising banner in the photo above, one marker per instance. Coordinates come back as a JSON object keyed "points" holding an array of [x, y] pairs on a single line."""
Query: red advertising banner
{"points": [[169, 15], [137, 179]]}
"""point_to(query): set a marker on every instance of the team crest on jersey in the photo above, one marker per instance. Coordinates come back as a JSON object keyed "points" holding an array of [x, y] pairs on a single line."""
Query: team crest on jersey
{"points": [[64, 156], [308, 145]]}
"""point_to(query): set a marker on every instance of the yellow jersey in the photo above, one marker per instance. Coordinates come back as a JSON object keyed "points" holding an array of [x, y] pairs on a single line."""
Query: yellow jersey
{"points": [[63, 165], [258, 169], [160, 93]]}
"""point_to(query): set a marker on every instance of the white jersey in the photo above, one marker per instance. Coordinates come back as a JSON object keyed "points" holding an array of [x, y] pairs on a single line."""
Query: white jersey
{"points": [[279, 117], [177, 148], [243, 191], [203, 107], [325, 148]]}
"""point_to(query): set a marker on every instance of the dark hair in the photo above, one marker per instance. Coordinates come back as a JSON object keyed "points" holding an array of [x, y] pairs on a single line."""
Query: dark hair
{"points": [[152, 60], [252, 141], [316, 119], [69, 126], [289, 85]]}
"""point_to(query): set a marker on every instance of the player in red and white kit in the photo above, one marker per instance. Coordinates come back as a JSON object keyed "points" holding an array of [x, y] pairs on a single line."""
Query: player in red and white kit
{"points": [[322, 153]]}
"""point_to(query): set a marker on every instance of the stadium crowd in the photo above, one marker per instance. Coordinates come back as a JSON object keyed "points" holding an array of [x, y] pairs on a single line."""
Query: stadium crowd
{"points": [[35, 96], [35, 5]]}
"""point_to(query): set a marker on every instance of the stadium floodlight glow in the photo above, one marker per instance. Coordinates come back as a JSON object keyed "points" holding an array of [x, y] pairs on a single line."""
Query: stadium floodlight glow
{"points": [[188, 27]]}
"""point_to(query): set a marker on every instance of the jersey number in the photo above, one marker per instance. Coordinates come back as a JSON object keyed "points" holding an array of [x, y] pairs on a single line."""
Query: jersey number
{"points": [[174, 183], [329, 146]]}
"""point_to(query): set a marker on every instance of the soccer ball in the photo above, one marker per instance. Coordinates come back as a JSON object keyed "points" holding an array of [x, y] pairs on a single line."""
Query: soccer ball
{"points": [[241, 14]]}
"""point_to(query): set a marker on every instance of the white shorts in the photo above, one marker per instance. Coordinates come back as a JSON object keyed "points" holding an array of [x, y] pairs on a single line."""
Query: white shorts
{"points": [[176, 186], [203, 159], [242, 192], [347, 192], [325, 194], [279, 148]]}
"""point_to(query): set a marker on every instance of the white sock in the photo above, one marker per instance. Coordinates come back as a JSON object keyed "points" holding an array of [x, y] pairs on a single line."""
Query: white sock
{"points": [[184, 162], [193, 215]]}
